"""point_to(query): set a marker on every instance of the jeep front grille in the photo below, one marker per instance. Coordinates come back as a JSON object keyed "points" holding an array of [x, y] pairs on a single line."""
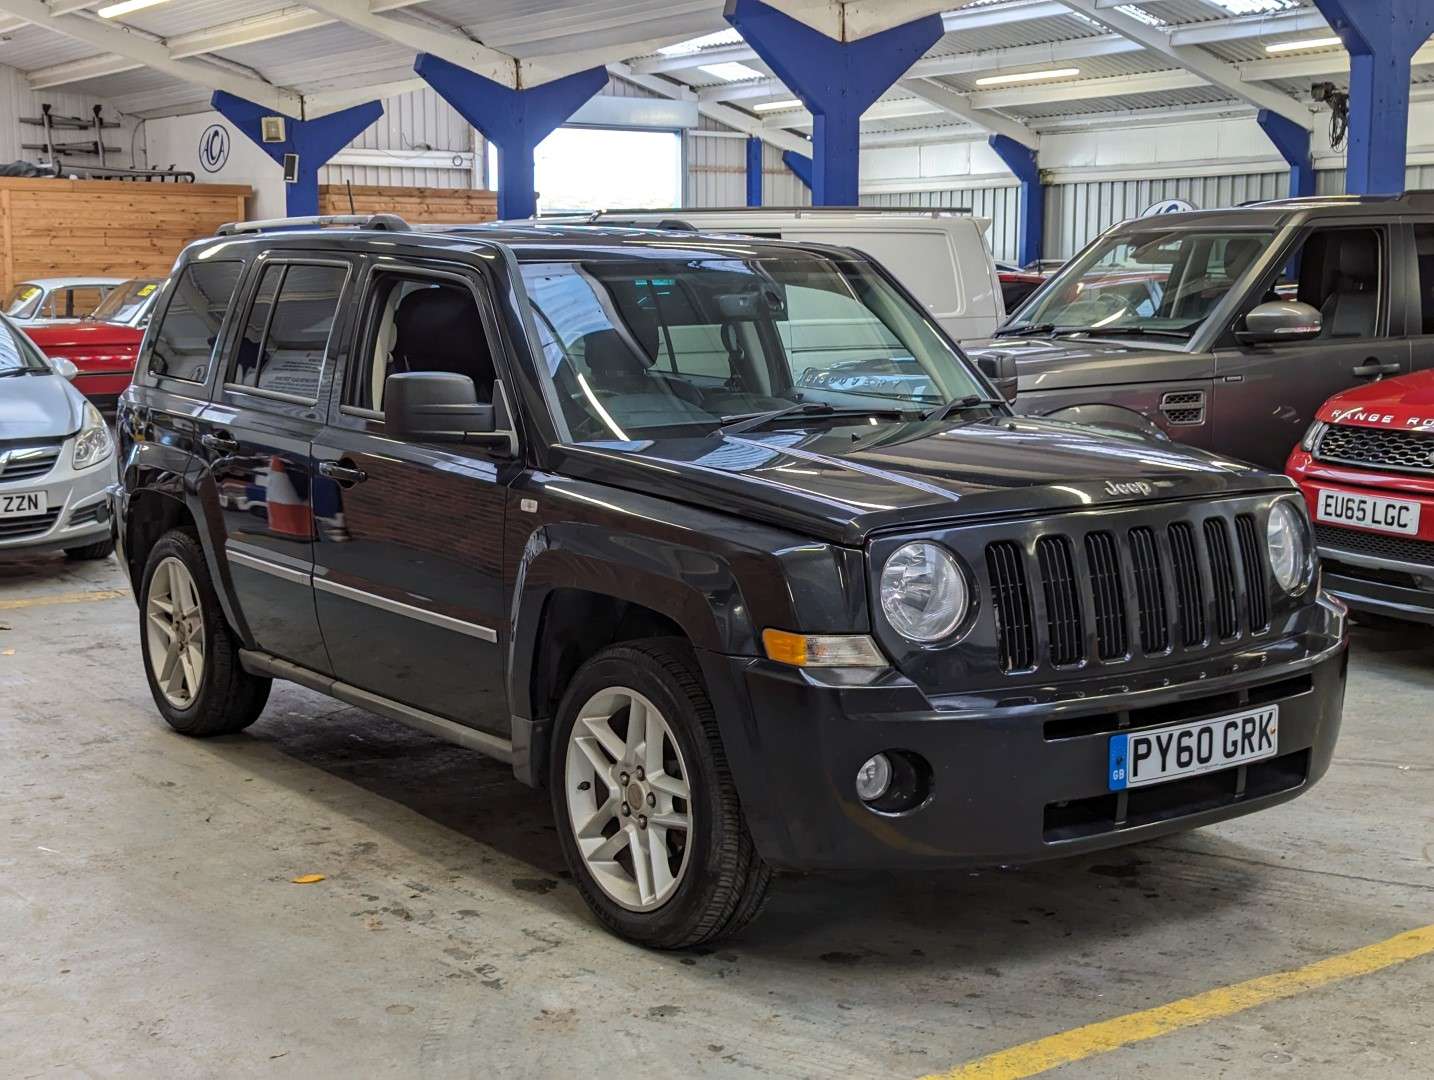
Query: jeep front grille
{"points": [[1188, 582], [1389, 448]]}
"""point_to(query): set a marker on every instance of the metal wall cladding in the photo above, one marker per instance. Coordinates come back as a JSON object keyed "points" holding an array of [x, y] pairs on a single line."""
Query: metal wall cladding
{"points": [[717, 172], [1076, 213], [413, 122], [17, 100], [1416, 178], [1001, 205]]}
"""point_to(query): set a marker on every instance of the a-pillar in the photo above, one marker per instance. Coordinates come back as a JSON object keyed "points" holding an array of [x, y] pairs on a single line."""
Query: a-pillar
{"points": [[1293, 143], [837, 82], [1381, 37], [514, 121], [314, 142], [1021, 160]]}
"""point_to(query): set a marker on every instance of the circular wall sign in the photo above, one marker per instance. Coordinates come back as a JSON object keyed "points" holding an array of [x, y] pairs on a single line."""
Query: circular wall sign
{"points": [[214, 147]]}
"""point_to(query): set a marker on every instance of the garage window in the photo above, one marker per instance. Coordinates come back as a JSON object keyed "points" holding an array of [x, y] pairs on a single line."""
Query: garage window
{"points": [[594, 168]]}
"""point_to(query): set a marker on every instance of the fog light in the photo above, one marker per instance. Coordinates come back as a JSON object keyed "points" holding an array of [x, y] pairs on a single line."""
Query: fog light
{"points": [[873, 779]]}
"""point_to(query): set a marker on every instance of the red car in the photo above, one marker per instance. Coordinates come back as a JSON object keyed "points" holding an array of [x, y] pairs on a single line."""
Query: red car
{"points": [[1366, 467], [104, 345]]}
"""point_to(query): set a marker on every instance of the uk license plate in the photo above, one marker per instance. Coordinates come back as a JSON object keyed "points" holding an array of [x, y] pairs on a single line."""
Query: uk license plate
{"points": [[1399, 516], [1138, 758], [23, 504]]}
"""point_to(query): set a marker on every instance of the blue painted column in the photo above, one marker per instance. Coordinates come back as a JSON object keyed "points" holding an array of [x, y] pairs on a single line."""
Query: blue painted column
{"points": [[836, 81], [799, 164], [1293, 143], [1382, 37], [515, 121], [754, 171], [314, 141], [1021, 160]]}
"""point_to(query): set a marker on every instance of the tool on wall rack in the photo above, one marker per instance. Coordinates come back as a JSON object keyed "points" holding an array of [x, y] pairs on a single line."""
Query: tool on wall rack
{"points": [[52, 123]]}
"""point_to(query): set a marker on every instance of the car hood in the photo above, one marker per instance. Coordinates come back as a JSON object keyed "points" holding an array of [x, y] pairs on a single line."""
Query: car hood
{"points": [[842, 483], [1406, 403], [71, 335], [39, 407], [1062, 363]]}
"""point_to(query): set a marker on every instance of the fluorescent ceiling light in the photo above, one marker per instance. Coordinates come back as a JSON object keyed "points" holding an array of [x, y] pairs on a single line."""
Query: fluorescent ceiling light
{"points": [[1028, 76], [1254, 7], [697, 44], [1307, 43], [769, 106], [731, 71], [124, 7]]}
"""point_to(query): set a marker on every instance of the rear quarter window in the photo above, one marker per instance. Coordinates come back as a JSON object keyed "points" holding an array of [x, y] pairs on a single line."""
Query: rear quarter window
{"points": [[188, 332]]}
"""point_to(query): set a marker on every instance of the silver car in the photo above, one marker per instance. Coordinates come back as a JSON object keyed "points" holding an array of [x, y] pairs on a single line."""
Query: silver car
{"points": [[56, 457]]}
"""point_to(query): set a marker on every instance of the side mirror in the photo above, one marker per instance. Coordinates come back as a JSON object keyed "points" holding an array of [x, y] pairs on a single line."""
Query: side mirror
{"points": [[1280, 320], [434, 406], [1000, 368], [65, 369]]}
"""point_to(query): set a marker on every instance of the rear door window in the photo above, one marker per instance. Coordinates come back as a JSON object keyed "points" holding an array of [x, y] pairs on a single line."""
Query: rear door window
{"points": [[286, 334], [185, 338]]}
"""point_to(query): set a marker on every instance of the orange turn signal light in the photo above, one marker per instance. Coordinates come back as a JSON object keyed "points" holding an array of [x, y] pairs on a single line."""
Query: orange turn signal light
{"points": [[822, 650]]}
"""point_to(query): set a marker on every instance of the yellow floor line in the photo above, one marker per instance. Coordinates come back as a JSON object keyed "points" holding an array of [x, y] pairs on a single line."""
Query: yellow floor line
{"points": [[1032, 1058], [61, 598]]}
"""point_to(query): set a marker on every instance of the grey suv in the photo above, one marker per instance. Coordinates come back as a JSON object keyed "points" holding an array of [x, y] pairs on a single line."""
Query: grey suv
{"points": [[1227, 329]]}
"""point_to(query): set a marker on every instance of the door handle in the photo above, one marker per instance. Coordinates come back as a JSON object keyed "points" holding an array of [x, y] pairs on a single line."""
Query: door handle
{"points": [[1373, 366], [220, 443], [344, 472]]}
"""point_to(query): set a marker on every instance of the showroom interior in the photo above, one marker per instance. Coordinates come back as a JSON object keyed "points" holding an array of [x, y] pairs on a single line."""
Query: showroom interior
{"points": [[794, 538]]}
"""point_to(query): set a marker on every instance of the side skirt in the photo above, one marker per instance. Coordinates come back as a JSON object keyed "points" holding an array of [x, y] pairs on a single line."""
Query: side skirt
{"points": [[261, 663]]}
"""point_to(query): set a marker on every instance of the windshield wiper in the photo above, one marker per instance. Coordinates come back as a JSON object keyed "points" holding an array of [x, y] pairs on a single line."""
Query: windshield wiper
{"points": [[7, 372], [1139, 331], [733, 424], [970, 401], [1041, 330]]}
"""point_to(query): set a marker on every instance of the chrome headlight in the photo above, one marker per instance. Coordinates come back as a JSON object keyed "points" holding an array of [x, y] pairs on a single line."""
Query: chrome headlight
{"points": [[1286, 546], [93, 444], [924, 595], [1312, 436]]}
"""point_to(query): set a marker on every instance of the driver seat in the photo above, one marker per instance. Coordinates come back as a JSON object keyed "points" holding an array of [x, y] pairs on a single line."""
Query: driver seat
{"points": [[1352, 309], [439, 329]]}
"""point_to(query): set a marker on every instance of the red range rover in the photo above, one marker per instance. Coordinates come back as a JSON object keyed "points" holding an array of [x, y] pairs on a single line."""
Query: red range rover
{"points": [[1366, 467]]}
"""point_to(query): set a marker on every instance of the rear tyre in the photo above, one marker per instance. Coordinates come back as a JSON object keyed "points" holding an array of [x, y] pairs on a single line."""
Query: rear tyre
{"points": [[645, 804], [102, 550], [190, 655]]}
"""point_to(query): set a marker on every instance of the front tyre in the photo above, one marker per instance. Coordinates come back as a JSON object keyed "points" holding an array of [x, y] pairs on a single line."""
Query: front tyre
{"points": [[190, 655], [645, 804]]}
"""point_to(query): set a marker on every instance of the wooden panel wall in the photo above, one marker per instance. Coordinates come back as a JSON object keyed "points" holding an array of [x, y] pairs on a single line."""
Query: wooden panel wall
{"points": [[414, 204], [54, 228]]}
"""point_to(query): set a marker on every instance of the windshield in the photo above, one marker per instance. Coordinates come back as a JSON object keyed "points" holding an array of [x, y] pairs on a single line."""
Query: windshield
{"points": [[646, 347], [124, 302], [24, 301], [1156, 281], [18, 353]]}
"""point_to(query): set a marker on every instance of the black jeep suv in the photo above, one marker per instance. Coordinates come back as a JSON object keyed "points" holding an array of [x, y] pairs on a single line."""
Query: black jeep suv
{"points": [[578, 499]]}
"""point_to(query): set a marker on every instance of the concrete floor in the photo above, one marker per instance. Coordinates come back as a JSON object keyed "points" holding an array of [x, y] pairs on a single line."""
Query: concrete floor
{"points": [[148, 926]]}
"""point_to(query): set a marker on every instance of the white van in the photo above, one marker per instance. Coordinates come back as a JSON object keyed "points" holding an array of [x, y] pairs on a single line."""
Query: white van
{"points": [[941, 256]]}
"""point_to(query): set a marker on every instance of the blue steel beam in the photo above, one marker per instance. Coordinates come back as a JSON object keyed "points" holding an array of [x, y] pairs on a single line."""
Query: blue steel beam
{"points": [[314, 141], [1021, 160], [754, 171], [837, 82], [801, 165], [1293, 143], [1382, 37], [514, 121]]}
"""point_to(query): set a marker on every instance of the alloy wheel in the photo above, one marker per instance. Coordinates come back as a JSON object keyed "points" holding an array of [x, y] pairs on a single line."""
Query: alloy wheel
{"points": [[628, 798], [174, 622]]}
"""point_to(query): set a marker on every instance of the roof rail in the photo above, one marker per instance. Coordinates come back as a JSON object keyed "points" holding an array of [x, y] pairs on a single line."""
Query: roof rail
{"points": [[381, 222], [597, 216]]}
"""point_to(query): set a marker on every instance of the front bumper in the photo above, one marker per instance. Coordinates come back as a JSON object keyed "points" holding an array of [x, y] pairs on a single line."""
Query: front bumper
{"points": [[1016, 783], [78, 509]]}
